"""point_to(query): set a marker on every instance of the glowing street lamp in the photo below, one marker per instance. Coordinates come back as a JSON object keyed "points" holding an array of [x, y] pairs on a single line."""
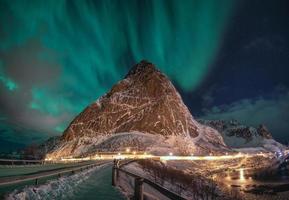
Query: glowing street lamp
{"points": [[127, 150], [134, 153], [171, 154]]}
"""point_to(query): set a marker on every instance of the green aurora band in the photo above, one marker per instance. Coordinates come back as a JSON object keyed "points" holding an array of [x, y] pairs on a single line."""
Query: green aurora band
{"points": [[93, 43]]}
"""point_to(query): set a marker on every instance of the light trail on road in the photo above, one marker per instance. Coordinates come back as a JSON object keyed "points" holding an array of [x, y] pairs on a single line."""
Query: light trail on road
{"points": [[120, 156]]}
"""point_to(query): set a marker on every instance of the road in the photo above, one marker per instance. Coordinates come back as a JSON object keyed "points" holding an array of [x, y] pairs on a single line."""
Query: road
{"points": [[144, 155], [13, 179], [98, 186], [88, 184]]}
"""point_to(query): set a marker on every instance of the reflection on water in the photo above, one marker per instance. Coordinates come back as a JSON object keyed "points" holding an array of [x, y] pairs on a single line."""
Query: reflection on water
{"points": [[237, 177], [242, 177], [249, 187]]}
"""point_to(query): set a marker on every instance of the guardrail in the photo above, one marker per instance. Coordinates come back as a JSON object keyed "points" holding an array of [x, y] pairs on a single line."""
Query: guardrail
{"points": [[138, 183], [14, 161], [59, 173]]}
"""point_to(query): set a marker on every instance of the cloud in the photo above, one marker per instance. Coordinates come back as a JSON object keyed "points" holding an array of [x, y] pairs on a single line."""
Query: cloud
{"points": [[32, 108], [271, 111], [31, 63]]}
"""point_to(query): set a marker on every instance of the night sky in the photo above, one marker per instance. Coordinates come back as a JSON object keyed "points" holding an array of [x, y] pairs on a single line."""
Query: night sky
{"points": [[229, 59]]}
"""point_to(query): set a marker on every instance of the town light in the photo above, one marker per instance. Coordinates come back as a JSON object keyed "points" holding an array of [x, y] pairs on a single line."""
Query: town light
{"points": [[171, 154], [134, 153], [127, 150]]}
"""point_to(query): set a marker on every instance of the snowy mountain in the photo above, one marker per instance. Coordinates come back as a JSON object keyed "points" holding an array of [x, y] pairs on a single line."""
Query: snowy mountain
{"points": [[144, 102], [237, 136]]}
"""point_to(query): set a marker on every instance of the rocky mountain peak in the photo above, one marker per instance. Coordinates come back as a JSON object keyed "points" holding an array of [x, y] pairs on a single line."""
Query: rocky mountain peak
{"points": [[142, 68], [145, 101]]}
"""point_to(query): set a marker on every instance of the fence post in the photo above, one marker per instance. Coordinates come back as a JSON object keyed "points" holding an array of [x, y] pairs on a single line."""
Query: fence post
{"points": [[114, 173], [138, 188]]}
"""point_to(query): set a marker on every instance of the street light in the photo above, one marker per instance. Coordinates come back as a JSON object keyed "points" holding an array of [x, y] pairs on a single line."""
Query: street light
{"points": [[170, 153]]}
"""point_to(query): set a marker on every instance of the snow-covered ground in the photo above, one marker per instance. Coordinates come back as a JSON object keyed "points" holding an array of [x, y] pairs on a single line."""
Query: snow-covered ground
{"points": [[151, 143]]}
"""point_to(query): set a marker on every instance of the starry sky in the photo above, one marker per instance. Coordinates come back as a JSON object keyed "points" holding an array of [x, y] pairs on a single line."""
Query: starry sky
{"points": [[229, 59]]}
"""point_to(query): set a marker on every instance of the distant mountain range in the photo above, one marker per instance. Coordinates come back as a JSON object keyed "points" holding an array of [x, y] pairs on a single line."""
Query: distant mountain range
{"points": [[236, 135]]}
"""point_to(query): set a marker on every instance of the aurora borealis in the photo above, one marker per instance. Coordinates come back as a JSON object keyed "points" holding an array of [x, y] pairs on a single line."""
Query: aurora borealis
{"points": [[58, 56]]}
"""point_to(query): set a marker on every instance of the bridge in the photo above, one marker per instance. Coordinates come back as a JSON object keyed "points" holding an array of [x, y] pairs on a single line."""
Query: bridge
{"points": [[34, 177], [8, 180]]}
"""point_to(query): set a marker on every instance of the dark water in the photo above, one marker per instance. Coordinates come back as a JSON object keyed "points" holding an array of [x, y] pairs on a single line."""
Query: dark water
{"points": [[254, 188]]}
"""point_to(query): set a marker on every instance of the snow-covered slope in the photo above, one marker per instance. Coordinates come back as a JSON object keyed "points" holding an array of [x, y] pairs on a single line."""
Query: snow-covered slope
{"points": [[238, 136], [145, 102]]}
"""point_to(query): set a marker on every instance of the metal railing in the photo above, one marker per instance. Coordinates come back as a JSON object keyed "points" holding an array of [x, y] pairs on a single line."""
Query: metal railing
{"points": [[138, 183], [15, 161]]}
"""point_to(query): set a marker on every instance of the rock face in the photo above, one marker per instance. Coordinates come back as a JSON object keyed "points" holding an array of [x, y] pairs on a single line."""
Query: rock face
{"points": [[145, 102]]}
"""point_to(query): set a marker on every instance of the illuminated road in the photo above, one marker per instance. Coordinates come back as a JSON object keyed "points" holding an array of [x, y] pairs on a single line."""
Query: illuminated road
{"points": [[104, 156]]}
